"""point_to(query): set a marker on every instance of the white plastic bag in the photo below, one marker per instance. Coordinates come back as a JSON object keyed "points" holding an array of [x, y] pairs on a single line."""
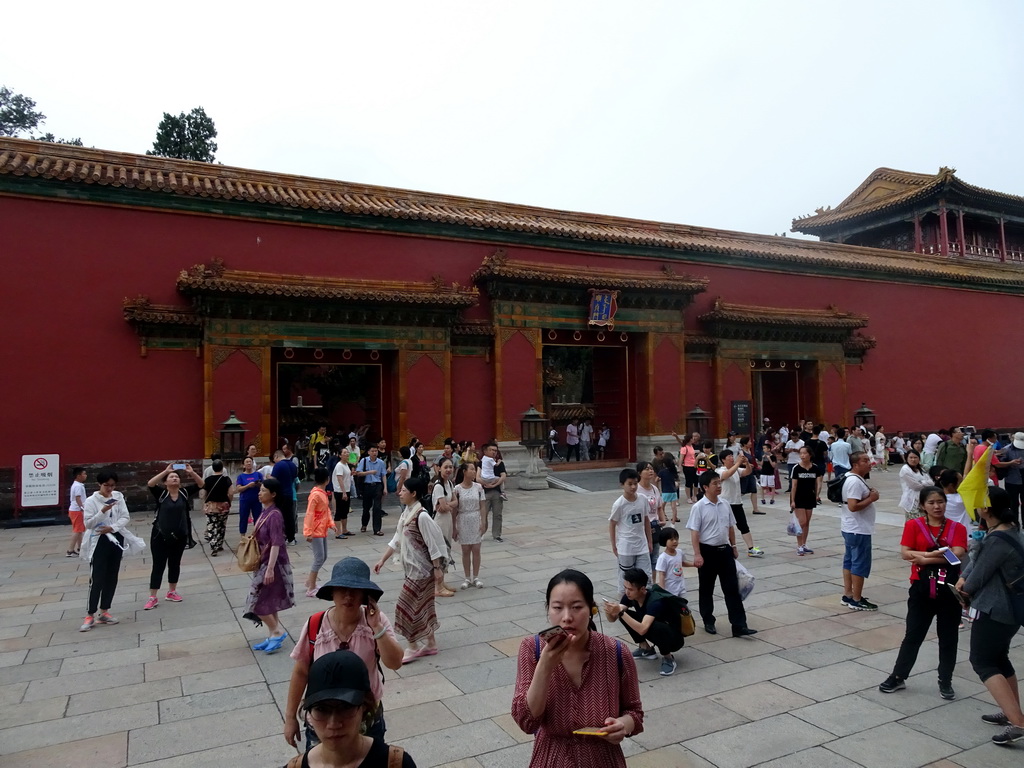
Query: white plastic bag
{"points": [[794, 528], [746, 580]]}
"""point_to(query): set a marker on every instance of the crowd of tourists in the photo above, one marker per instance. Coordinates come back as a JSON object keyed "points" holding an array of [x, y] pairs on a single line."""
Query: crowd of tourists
{"points": [[577, 688]]}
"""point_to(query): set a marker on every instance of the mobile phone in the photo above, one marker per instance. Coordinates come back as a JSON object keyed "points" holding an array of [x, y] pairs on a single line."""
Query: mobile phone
{"points": [[178, 466], [550, 632], [959, 595], [950, 556], [111, 501], [599, 731]]}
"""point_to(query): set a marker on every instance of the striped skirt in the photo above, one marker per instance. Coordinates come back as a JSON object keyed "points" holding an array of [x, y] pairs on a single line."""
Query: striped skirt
{"points": [[415, 618]]}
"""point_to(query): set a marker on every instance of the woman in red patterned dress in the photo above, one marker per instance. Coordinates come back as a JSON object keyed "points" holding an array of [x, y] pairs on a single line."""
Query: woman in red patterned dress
{"points": [[576, 679]]}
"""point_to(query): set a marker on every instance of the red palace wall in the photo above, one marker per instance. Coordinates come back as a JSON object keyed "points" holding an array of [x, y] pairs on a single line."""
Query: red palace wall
{"points": [[76, 383]]}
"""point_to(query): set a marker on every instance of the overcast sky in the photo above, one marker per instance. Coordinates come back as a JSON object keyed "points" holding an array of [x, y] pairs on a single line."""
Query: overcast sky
{"points": [[735, 115]]}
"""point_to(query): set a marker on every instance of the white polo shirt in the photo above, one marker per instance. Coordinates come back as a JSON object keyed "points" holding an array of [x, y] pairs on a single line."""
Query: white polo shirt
{"points": [[712, 520]]}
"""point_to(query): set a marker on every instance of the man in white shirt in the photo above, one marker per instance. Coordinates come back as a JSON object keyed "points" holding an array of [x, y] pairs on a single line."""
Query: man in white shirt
{"points": [[586, 438], [713, 536], [494, 502], [572, 440], [840, 451], [857, 523], [731, 471], [793, 446]]}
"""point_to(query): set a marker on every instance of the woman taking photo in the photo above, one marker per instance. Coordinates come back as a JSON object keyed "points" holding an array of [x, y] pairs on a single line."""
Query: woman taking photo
{"points": [[469, 522], [997, 563], [930, 596], [172, 530], [421, 550], [443, 498], [105, 517], [271, 590], [353, 622], [803, 496], [576, 664], [913, 480], [340, 706]]}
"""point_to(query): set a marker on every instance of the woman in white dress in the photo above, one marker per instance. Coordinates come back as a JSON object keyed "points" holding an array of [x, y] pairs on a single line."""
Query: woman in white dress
{"points": [[469, 522], [443, 498]]}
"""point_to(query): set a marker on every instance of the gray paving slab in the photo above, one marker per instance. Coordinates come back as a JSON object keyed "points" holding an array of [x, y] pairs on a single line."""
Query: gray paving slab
{"points": [[200, 734], [758, 742], [891, 746], [846, 715]]}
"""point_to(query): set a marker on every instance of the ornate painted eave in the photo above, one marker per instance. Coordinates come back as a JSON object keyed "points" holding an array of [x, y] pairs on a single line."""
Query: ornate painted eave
{"points": [[895, 189], [757, 323], [215, 280], [141, 311], [473, 329], [506, 278]]}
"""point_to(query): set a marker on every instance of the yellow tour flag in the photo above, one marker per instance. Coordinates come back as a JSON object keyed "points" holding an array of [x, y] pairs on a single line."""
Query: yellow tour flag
{"points": [[974, 488]]}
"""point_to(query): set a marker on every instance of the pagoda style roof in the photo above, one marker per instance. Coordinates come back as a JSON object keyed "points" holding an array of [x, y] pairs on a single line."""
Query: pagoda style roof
{"points": [[69, 173], [777, 324], [216, 280], [498, 266], [831, 317], [888, 189]]}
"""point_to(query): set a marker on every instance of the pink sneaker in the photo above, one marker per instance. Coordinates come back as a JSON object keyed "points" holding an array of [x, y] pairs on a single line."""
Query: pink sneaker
{"points": [[150, 604], [174, 597]]}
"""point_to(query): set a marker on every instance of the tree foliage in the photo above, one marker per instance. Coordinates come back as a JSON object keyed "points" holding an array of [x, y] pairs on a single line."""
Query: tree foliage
{"points": [[188, 137], [18, 114]]}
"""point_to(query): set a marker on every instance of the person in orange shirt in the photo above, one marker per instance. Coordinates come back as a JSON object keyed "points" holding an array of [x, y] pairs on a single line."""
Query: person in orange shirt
{"points": [[315, 525]]}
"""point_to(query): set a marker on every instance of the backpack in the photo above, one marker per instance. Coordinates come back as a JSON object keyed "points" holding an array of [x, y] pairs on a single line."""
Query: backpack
{"points": [[1015, 588], [181, 533], [835, 489], [680, 604]]}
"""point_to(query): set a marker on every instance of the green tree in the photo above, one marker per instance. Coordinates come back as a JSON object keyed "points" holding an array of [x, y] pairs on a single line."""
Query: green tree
{"points": [[188, 137], [18, 114]]}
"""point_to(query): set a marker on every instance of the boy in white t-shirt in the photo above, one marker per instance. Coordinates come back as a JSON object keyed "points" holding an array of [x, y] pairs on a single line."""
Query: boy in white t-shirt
{"points": [[630, 528], [76, 511], [668, 573]]}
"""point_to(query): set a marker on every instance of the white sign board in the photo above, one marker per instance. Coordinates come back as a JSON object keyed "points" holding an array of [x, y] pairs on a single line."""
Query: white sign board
{"points": [[40, 480]]}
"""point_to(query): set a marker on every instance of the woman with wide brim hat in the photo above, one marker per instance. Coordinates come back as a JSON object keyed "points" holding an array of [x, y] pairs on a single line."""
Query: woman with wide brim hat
{"points": [[355, 623], [340, 706]]}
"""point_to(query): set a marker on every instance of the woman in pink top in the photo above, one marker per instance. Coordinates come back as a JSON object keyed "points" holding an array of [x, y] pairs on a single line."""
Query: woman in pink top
{"points": [[354, 623], [688, 461]]}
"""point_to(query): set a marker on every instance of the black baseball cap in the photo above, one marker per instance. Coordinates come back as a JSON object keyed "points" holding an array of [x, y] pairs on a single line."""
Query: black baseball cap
{"points": [[337, 676]]}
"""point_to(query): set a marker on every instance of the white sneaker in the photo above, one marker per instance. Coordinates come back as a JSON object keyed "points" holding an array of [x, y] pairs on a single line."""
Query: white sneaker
{"points": [[466, 584], [478, 584]]}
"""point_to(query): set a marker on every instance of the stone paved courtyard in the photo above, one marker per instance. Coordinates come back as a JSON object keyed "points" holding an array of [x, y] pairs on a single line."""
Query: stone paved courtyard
{"points": [[179, 686]]}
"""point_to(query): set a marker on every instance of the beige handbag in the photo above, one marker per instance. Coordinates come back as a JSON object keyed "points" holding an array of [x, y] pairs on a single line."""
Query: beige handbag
{"points": [[248, 551]]}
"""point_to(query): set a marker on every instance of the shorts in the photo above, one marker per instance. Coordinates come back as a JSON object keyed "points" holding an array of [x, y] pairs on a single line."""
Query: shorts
{"points": [[77, 521], [690, 473], [767, 481], [669, 497], [857, 557]]}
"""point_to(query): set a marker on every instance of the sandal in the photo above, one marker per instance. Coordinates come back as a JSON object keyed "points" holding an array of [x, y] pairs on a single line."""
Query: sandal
{"points": [[444, 592]]}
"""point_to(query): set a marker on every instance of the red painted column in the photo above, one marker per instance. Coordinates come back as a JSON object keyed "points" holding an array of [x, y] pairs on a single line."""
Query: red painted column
{"points": [[1002, 239], [918, 245], [943, 232], [960, 232]]}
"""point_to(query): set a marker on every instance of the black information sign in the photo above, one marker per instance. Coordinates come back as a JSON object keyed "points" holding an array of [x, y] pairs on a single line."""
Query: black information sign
{"points": [[741, 416]]}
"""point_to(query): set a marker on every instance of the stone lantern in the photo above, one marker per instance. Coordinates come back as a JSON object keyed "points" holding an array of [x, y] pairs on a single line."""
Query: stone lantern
{"points": [[698, 420], [534, 430], [864, 417], [232, 439]]}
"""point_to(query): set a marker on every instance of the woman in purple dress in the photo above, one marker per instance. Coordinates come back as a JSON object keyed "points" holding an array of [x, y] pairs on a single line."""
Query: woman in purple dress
{"points": [[272, 589]]}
